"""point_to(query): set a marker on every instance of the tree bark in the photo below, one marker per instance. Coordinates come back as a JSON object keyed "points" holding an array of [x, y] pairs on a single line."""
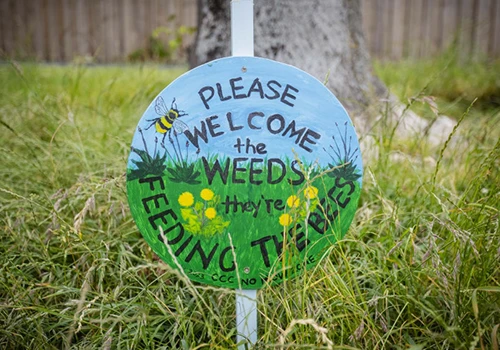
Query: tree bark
{"points": [[321, 37]]}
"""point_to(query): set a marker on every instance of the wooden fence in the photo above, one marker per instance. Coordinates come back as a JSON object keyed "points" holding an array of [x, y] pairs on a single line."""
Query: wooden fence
{"points": [[112, 30], [108, 30], [417, 28]]}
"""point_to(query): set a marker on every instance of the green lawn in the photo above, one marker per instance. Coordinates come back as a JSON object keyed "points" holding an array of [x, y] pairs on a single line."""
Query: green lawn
{"points": [[419, 268]]}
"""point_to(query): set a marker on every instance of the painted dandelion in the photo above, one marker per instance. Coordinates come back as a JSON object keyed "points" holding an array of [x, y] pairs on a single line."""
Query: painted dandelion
{"points": [[186, 199], [285, 219], [200, 216]]}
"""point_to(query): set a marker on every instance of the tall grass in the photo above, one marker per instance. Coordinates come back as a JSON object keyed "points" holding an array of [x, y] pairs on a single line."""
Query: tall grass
{"points": [[419, 268]]}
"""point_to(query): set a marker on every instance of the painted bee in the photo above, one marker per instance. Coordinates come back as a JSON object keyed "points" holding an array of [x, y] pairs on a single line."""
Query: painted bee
{"points": [[168, 119]]}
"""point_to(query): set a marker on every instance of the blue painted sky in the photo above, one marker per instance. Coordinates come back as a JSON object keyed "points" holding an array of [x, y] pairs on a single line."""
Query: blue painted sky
{"points": [[314, 108]]}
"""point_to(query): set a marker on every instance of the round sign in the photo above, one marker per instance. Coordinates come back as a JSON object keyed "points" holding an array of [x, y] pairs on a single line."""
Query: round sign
{"points": [[243, 171]]}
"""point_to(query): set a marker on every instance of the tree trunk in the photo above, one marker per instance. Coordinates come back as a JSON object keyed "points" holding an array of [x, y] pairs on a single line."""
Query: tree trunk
{"points": [[325, 39], [321, 37]]}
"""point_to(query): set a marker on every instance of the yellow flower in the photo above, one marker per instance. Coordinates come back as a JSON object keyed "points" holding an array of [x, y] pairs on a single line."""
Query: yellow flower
{"points": [[311, 192], [210, 213], [285, 219], [293, 201], [186, 199], [207, 194]]}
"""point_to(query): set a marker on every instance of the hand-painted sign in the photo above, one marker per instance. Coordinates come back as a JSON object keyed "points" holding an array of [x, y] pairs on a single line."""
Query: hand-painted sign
{"points": [[243, 171]]}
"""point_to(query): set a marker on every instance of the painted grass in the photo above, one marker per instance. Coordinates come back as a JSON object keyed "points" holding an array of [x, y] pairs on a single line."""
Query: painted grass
{"points": [[231, 226], [418, 270]]}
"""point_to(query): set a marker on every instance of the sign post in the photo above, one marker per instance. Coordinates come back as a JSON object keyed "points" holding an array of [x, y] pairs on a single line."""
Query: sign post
{"points": [[242, 42], [246, 317], [243, 172]]}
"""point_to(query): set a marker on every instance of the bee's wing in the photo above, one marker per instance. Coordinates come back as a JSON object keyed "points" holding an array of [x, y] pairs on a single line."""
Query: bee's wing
{"points": [[160, 106], [180, 126]]}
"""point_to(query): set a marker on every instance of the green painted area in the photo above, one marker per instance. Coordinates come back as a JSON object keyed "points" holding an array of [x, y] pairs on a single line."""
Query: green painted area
{"points": [[228, 232]]}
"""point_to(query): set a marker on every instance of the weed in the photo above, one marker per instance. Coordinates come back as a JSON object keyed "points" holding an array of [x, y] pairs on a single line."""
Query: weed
{"points": [[165, 44]]}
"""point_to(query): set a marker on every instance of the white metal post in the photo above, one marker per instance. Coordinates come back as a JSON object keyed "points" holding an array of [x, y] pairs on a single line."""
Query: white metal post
{"points": [[242, 27], [246, 318], [242, 45]]}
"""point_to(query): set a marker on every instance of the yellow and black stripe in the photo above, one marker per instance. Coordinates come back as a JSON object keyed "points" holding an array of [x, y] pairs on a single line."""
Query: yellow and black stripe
{"points": [[165, 123]]}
